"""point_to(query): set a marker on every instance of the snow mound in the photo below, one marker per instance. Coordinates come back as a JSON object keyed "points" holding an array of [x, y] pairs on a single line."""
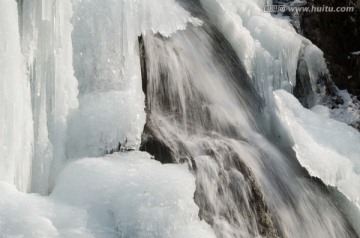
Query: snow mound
{"points": [[122, 195], [103, 121], [328, 149]]}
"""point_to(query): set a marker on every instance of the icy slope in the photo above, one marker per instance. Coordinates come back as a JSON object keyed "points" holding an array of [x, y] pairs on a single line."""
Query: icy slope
{"points": [[122, 195], [328, 149]]}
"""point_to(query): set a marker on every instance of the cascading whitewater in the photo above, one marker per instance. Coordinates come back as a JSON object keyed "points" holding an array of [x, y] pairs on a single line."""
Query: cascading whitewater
{"points": [[71, 89], [203, 110]]}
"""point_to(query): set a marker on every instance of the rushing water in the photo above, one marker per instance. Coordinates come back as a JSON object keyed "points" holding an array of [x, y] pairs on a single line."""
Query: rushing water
{"points": [[87, 70], [204, 111]]}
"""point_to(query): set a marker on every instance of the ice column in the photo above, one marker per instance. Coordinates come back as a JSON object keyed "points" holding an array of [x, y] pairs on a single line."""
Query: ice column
{"points": [[47, 46], [16, 124]]}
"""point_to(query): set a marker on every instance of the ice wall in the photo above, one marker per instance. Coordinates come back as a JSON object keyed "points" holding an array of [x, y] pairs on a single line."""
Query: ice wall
{"points": [[16, 124], [47, 47], [84, 73]]}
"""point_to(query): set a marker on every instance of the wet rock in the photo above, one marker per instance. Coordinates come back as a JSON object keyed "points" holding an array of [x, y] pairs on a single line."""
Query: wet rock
{"points": [[151, 143]]}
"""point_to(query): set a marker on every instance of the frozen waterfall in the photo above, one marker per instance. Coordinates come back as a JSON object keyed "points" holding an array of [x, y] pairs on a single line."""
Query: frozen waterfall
{"points": [[168, 118]]}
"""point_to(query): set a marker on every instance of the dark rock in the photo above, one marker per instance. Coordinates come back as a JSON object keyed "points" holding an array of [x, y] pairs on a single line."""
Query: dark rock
{"points": [[154, 146], [265, 224], [336, 34], [302, 89]]}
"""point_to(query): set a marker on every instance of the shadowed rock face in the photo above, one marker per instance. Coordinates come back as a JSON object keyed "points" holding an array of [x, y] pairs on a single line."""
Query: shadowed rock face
{"points": [[337, 34]]}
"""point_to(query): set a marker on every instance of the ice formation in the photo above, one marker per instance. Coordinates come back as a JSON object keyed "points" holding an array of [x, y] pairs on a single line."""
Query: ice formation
{"points": [[268, 46], [46, 45], [122, 195], [16, 125], [100, 108], [106, 61], [71, 92], [72, 89], [328, 149]]}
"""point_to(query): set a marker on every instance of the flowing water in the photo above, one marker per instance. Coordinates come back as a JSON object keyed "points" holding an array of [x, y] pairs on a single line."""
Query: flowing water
{"points": [[203, 110]]}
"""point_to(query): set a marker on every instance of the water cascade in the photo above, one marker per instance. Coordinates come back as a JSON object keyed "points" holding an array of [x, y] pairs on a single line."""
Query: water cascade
{"points": [[204, 111], [168, 118]]}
